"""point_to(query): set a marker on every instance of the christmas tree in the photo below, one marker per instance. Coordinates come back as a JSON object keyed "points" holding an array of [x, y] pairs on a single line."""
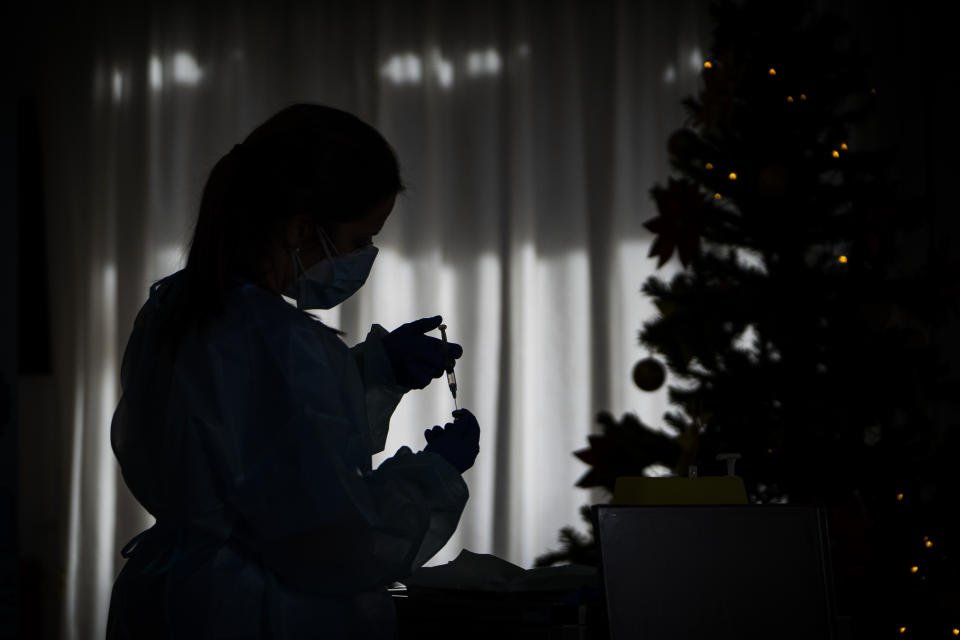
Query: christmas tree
{"points": [[793, 336]]}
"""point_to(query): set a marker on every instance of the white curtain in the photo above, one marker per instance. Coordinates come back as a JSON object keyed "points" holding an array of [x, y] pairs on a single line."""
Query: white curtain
{"points": [[529, 133]]}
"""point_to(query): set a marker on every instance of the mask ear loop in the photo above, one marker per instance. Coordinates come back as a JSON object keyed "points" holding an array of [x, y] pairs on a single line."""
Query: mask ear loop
{"points": [[298, 277], [328, 247]]}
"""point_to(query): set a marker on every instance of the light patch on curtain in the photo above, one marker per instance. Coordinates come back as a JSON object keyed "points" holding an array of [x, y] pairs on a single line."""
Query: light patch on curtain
{"points": [[409, 68], [91, 565], [185, 69], [168, 259], [106, 376], [155, 73], [696, 60], [476, 378], [631, 308], [442, 68], [117, 85], [182, 67], [73, 525], [106, 505], [469, 298], [483, 62], [670, 74], [402, 68], [694, 63], [554, 325], [388, 299]]}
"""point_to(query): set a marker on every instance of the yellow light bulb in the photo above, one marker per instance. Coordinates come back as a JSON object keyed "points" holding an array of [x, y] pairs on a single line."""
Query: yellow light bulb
{"points": [[789, 98], [803, 96], [708, 65], [772, 71], [925, 538], [732, 176], [709, 165], [899, 496], [717, 196], [956, 632], [836, 154], [843, 145], [842, 259], [928, 544], [903, 629], [914, 569]]}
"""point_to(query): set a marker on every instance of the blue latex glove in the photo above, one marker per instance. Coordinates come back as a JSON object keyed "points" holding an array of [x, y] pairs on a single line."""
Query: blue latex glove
{"points": [[458, 442], [417, 359]]}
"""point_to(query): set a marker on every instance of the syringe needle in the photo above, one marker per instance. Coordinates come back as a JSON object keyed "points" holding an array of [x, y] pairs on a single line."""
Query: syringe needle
{"points": [[451, 377]]}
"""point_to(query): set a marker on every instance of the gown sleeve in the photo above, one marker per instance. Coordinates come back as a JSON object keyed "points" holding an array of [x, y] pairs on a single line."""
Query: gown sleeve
{"points": [[382, 392], [297, 462]]}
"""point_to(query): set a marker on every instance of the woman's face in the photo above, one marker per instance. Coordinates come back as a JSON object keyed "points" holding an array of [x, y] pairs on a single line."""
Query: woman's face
{"points": [[346, 236], [350, 236]]}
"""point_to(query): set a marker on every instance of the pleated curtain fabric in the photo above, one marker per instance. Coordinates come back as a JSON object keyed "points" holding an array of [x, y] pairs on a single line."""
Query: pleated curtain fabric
{"points": [[529, 134]]}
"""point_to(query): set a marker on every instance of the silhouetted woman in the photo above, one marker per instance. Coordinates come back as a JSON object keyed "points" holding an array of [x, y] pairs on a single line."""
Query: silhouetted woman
{"points": [[246, 427]]}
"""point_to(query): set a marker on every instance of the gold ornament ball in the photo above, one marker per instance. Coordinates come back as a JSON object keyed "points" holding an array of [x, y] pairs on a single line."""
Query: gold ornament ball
{"points": [[648, 374]]}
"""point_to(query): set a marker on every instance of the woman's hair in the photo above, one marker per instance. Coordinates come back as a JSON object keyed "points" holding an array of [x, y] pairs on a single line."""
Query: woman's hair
{"points": [[308, 158]]}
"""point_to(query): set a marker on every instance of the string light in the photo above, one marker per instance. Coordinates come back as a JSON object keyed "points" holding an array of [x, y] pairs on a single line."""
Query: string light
{"points": [[956, 632], [842, 259]]}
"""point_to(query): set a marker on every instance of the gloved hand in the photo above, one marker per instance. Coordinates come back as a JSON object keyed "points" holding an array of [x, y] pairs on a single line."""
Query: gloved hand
{"points": [[417, 359], [458, 442]]}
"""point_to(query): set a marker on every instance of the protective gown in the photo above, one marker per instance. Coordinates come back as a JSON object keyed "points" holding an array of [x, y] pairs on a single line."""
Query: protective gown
{"points": [[253, 451]]}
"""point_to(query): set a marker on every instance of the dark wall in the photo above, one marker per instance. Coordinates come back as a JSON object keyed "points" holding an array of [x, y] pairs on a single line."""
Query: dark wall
{"points": [[9, 557]]}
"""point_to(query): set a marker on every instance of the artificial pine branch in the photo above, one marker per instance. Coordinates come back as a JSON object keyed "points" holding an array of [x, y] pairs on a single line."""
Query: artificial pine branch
{"points": [[794, 335]]}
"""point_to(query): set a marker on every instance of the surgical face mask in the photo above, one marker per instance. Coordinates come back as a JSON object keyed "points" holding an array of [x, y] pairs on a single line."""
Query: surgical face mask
{"points": [[333, 279]]}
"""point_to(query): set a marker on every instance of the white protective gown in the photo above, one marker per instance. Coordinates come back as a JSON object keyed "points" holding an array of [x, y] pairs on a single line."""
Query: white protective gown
{"points": [[253, 451]]}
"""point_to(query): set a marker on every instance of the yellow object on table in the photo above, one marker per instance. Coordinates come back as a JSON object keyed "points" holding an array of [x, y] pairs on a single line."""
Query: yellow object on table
{"points": [[679, 490]]}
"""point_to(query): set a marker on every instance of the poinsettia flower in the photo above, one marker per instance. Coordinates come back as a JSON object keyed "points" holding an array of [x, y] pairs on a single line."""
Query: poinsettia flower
{"points": [[679, 225]]}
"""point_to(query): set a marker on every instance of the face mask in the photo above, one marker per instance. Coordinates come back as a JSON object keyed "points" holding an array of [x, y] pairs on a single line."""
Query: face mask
{"points": [[333, 279]]}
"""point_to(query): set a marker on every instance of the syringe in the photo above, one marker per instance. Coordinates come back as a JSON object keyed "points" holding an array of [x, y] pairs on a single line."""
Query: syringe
{"points": [[451, 376]]}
